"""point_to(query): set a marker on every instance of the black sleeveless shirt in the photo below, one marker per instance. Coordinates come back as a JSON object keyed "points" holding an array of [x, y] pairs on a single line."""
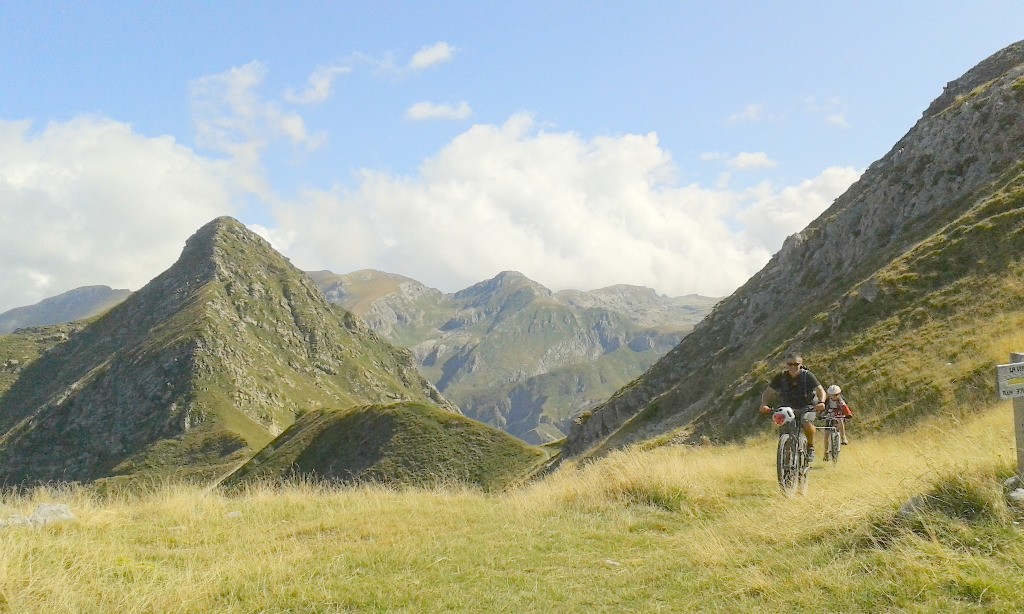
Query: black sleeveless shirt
{"points": [[796, 392]]}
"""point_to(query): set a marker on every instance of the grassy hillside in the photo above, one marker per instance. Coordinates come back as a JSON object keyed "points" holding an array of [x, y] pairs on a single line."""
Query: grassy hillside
{"points": [[20, 348], [940, 319], [400, 443], [675, 528], [906, 291]]}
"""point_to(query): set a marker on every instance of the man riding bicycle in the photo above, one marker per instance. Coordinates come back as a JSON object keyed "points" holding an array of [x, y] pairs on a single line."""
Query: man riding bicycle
{"points": [[798, 388]]}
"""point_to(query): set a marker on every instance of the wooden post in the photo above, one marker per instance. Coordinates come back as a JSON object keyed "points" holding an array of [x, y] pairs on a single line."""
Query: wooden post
{"points": [[1018, 420]]}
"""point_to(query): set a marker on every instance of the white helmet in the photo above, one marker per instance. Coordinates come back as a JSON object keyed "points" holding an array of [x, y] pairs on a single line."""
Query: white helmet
{"points": [[833, 389]]}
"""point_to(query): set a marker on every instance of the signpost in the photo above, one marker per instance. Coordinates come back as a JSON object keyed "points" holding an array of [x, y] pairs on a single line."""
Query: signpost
{"points": [[1010, 380]]}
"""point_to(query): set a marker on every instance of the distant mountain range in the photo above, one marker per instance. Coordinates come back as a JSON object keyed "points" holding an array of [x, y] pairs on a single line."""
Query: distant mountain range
{"points": [[508, 351], [195, 372], [77, 304], [514, 354]]}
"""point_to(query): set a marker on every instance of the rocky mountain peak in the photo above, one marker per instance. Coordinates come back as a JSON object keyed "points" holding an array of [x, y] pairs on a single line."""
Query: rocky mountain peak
{"points": [[205, 364], [991, 68], [500, 288]]}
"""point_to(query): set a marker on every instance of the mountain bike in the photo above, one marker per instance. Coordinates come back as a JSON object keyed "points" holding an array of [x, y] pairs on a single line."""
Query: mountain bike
{"points": [[833, 443], [791, 458]]}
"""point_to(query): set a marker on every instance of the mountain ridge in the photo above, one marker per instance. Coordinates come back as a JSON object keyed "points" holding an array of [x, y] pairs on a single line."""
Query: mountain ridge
{"points": [[76, 304], [195, 371], [839, 276], [511, 352]]}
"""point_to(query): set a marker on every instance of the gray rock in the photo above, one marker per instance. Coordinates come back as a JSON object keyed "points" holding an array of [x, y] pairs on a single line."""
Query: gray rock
{"points": [[53, 513], [44, 515]]}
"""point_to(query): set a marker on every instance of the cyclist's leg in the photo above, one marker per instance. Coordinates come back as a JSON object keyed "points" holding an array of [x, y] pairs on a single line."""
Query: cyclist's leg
{"points": [[842, 430], [809, 430]]}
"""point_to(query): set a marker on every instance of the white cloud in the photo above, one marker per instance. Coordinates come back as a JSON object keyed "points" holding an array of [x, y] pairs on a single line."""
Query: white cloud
{"points": [[751, 114], [426, 57], [837, 119], [831, 110], [565, 211], [89, 201], [774, 215], [319, 86], [751, 160], [231, 117], [428, 110]]}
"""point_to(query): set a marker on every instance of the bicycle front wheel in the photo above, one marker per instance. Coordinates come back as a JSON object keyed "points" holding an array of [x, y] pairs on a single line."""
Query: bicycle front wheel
{"points": [[803, 466], [786, 464]]}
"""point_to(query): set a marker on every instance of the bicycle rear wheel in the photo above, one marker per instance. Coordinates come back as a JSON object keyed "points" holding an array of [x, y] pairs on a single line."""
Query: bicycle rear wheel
{"points": [[786, 464], [834, 445]]}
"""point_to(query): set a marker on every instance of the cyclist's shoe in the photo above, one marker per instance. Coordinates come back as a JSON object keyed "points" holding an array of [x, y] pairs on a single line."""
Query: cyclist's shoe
{"points": [[826, 456], [846, 442], [810, 455]]}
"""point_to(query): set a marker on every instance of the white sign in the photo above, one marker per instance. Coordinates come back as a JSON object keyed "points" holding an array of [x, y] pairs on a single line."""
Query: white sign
{"points": [[1010, 380]]}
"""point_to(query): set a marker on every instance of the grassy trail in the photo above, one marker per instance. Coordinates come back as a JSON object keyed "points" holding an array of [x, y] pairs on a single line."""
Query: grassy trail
{"points": [[675, 529]]}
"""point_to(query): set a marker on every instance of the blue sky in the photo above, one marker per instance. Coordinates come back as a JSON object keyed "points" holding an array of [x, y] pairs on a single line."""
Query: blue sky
{"points": [[666, 144]]}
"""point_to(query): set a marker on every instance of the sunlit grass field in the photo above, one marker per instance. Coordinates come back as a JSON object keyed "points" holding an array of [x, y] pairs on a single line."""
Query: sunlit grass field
{"points": [[674, 529]]}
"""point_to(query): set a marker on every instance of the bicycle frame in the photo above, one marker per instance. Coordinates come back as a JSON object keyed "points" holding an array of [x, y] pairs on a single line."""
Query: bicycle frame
{"points": [[791, 457]]}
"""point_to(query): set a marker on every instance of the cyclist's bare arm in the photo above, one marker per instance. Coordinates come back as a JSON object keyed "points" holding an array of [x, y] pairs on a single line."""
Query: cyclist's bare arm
{"points": [[769, 395], [819, 393]]}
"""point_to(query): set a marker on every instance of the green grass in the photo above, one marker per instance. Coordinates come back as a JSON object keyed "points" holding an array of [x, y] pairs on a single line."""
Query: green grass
{"points": [[401, 443], [674, 529], [26, 345]]}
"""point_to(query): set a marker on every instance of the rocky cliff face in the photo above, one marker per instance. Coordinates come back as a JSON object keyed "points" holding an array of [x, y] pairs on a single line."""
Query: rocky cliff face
{"points": [[197, 370], [964, 150], [511, 352]]}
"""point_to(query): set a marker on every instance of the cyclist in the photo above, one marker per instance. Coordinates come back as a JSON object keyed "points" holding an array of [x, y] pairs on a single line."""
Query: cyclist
{"points": [[837, 405], [798, 388]]}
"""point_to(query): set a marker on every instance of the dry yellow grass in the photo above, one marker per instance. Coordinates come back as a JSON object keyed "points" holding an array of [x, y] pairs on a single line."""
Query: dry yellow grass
{"points": [[671, 529]]}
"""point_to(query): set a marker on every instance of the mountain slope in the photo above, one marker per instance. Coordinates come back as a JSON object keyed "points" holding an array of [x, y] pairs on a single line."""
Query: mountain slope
{"points": [[20, 348], [905, 291], [514, 354], [400, 443], [203, 366], [77, 304]]}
